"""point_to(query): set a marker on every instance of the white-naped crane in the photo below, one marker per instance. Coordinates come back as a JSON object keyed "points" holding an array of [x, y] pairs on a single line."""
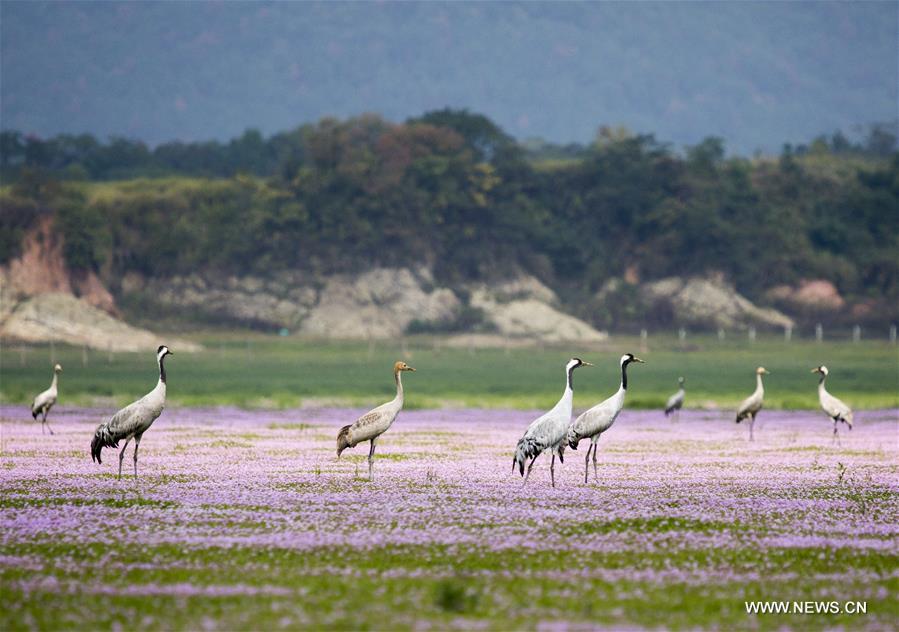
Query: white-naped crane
{"points": [[548, 431], [45, 400], [835, 409], [374, 423], [753, 404], [593, 422], [133, 420], [676, 401]]}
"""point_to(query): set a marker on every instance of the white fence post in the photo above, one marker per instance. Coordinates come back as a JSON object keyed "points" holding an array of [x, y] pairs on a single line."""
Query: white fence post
{"points": [[788, 333], [819, 333], [856, 333], [751, 334]]}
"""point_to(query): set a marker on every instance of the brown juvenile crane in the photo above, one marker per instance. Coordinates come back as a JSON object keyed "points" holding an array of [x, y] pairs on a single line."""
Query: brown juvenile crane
{"points": [[374, 423]]}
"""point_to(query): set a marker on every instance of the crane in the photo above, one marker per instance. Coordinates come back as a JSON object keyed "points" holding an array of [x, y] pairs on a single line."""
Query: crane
{"points": [[835, 409], [753, 404], [374, 423], [595, 421], [133, 420], [548, 431], [44, 401], [676, 401]]}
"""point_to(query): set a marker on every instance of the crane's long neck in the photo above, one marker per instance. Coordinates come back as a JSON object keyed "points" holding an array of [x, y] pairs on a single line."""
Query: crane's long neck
{"points": [[758, 383], [567, 399], [821, 388], [162, 370], [569, 380], [623, 386], [397, 376], [54, 381]]}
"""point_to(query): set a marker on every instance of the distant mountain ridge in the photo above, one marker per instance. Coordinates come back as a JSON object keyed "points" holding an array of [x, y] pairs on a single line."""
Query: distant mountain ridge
{"points": [[755, 74]]}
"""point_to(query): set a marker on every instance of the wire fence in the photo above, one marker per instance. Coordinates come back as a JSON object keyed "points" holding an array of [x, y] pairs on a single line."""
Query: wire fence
{"points": [[18, 354]]}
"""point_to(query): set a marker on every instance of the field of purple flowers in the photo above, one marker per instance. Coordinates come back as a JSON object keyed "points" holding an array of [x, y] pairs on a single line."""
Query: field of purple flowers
{"points": [[246, 519]]}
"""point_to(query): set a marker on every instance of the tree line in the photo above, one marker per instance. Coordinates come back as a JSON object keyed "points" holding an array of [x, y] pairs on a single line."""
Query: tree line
{"points": [[452, 191]]}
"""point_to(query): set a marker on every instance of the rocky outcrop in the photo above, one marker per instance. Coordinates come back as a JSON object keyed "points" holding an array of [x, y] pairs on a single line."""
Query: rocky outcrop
{"points": [[524, 307], [61, 317], [41, 268], [42, 300], [697, 301], [285, 300], [815, 294], [379, 303]]}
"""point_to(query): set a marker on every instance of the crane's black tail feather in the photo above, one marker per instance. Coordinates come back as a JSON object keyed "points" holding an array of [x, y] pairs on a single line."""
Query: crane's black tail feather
{"points": [[526, 449], [573, 438], [102, 439]]}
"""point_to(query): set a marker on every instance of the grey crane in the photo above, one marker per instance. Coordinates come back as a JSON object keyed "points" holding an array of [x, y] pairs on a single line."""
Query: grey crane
{"points": [[592, 423], [835, 409], [133, 420], [548, 431], [45, 400], [753, 404], [676, 401], [374, 423]]}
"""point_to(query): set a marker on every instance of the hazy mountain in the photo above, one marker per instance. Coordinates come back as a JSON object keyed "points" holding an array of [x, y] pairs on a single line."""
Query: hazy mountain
{"points": [[757, 74]]}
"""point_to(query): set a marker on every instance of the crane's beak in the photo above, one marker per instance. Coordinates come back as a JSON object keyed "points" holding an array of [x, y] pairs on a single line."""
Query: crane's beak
{"points": [[816, 370], [639, 360], [586, 363], [409, 368]]}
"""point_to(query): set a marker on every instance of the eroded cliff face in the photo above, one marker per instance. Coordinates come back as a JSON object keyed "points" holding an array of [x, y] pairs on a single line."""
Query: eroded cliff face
{"points": [[42, 300], [708, 301], [62, 317], [810, 295], [378, 303], [41, 269], [525, 307]]}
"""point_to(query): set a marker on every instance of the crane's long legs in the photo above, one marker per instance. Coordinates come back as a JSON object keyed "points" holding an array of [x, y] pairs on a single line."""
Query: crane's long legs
{"points": [[136, 446], [122, 455], [45, 422], [587, 462], [836, 436], [552, 470], [751, 424], [595, 476], [528, 473], [371, 458]]}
